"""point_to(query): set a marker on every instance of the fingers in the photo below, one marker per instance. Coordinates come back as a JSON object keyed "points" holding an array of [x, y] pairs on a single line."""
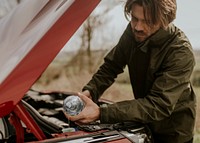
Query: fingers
{"points": [[87, 93], [84, 98], [74, 118], [77, 120]]}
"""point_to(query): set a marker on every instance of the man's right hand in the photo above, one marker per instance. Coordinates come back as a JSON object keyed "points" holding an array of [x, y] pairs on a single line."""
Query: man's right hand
{"points": [[90, 113]]}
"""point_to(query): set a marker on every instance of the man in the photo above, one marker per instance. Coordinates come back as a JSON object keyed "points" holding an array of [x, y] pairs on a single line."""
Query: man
{"points": [[160, 62]]}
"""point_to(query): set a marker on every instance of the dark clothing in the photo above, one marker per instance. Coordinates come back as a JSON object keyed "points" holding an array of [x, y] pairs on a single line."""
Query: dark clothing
{"points": [[140, 66], [165, 99], [190, 141]]}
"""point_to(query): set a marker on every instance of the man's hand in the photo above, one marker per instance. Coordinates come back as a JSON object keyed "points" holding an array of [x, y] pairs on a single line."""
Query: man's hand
{"points": [[90, 113], [87, 93]]}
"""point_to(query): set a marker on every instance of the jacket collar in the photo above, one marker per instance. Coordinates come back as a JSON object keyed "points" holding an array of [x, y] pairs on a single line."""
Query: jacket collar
{"points": [[158, 39], [162, 35]]}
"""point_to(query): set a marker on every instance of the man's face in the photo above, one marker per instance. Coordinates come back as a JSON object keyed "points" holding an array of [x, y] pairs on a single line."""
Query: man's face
{"points": [[139, 24]]}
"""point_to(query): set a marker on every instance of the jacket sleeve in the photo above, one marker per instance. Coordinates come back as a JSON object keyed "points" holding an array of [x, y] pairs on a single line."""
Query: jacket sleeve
{"points": [[170, 85], [114, 63]]}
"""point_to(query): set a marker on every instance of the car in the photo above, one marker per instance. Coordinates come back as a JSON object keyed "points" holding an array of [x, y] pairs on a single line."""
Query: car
{"points": [[31, 36]]}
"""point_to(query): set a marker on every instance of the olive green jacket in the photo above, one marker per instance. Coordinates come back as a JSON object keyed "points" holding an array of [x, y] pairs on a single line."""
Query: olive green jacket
{"points": [[169, 104]]}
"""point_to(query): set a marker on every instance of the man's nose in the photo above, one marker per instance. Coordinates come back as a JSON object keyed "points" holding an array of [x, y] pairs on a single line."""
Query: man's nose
{"points": [[139, 26]]}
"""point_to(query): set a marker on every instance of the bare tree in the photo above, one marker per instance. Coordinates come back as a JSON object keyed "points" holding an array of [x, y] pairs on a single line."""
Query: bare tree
{"points": [[93, 22]]}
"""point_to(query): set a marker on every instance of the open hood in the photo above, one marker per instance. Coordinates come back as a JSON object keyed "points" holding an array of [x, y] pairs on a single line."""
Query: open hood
{"points": [[30, 38]]}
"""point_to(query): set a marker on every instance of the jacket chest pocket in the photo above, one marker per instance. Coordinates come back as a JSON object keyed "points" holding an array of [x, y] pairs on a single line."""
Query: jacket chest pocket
{"points": [[156, 62]]}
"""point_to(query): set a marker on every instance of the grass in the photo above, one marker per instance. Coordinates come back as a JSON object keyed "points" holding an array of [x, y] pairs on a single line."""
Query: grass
{"points": [[197, 127]]}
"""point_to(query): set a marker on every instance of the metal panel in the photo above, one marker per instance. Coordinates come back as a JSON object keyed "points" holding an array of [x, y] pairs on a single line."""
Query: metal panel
{"points": [[23, 76]]}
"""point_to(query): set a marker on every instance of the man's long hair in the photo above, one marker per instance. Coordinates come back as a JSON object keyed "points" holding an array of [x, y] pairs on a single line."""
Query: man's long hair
{"points": [[156, 11]]}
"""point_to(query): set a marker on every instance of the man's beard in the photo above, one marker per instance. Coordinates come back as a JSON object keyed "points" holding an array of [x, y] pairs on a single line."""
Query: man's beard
{"points": [[140, 36]]}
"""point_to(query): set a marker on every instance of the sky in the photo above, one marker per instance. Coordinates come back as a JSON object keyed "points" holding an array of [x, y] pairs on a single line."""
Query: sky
{"points": [[188, 19]]}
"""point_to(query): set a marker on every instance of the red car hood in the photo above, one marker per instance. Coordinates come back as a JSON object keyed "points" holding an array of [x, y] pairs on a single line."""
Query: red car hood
{"points": [[30, 38]]}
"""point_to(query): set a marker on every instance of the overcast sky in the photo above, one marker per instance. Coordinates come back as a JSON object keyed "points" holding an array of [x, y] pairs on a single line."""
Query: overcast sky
{"points": [[188, 19]]}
